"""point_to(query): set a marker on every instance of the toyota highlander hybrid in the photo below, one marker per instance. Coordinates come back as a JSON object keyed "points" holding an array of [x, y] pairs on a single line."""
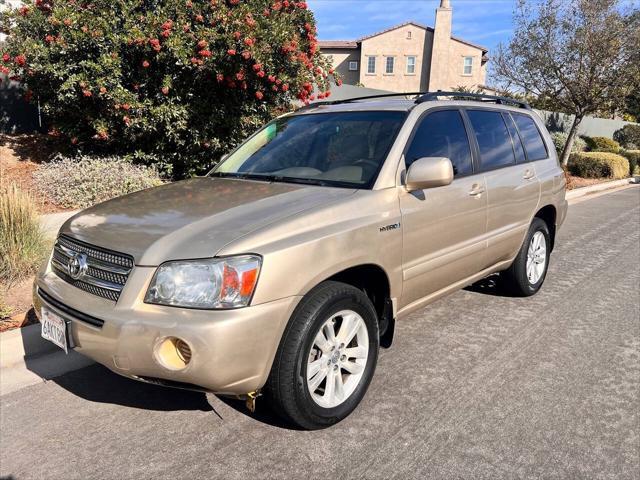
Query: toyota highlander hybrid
{"points": [[283, 270]]}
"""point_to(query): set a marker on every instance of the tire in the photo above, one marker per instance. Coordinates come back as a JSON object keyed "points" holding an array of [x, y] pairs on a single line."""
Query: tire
{"points": [[516, 278], [289, 388]]}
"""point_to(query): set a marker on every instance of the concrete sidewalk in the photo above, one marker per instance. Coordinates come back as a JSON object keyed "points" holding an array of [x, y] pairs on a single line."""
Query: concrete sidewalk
{"points": [[51, 222]]}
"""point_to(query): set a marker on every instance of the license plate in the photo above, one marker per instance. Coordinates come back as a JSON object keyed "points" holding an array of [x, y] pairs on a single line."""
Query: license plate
{"points": [[54, 328]]}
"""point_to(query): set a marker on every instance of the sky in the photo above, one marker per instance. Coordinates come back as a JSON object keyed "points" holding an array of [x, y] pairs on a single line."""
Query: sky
{"points": [[485, 22]]}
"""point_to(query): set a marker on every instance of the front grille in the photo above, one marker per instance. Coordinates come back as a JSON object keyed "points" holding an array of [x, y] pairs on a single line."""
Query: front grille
{"points": [[104, 274]]}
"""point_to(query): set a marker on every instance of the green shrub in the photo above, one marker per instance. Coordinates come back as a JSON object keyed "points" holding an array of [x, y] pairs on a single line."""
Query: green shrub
{"points": [[598, 165], [22, 241], [628, 136], [84, 181], [178, 81], [601, 144], [560, 138], [634, 159]]}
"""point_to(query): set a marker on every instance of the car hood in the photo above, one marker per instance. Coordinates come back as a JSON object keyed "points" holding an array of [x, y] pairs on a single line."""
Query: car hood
{"points": [[193, 218]]}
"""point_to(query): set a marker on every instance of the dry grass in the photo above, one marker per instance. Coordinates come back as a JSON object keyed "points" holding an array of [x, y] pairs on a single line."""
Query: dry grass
{"points": [[22, 241]]}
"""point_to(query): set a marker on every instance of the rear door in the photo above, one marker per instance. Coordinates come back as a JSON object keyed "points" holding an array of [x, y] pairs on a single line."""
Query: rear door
{"points": [[512, 185], [443, 228]]}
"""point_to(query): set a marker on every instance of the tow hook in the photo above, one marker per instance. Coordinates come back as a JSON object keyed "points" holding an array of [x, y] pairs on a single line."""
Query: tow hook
{"points": [[251, 400]]}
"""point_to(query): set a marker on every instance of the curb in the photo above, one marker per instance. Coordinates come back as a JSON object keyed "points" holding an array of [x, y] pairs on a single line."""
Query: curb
{"points": [[599, 187], [28, 359]]}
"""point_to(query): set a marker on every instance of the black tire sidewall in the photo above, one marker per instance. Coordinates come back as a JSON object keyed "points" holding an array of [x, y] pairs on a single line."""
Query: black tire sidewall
{"points": [[537, 225], [308, 413]]}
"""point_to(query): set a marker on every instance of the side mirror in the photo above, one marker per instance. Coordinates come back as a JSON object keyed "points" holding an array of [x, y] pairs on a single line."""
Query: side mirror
{"points": [[429, 172]]}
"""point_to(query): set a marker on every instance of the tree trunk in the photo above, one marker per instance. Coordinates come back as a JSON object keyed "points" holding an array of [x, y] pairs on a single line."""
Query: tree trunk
{"points": [[566, 152]]}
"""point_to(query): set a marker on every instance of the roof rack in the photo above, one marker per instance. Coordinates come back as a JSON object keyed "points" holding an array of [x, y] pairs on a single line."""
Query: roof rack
{"points": [[368, 97], [481, 97], [428, 97]]}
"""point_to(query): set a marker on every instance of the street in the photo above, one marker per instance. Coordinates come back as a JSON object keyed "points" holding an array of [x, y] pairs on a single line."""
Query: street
{"points": [[477, 385]]}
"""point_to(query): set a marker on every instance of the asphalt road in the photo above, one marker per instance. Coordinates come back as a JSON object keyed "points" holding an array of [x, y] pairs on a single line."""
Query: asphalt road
{"points": [[478, 385]]}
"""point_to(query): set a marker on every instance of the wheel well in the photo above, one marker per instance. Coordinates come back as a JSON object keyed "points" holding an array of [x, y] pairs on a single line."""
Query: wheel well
{"points": [[373, 281], [548, 215]]}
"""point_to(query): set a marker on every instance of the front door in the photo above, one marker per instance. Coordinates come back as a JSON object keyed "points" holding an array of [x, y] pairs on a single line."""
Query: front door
{"points": [[443, 228]]}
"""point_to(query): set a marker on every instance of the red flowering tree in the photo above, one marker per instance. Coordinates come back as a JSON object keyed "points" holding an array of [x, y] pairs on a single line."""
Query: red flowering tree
{"points": [[171, 82]]}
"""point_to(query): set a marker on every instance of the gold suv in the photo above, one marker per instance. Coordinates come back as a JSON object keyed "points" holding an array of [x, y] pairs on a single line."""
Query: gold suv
{"points": [[284, 269]]}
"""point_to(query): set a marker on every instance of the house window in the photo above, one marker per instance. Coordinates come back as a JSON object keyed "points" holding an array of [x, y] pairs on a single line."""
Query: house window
{"points": [[411, 65], [371, 65], [409, 34], [468, 66], [388, 68], [353, 66]]}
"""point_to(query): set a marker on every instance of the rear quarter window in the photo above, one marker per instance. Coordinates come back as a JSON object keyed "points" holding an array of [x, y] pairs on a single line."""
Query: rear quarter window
{"points": [[533, 143]]}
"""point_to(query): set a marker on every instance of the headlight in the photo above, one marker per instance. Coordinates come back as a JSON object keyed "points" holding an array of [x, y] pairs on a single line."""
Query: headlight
{"points": [[211, 283]]}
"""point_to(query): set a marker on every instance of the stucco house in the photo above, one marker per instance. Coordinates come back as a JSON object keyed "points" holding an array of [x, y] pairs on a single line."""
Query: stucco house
{"points": [[410, 57]]}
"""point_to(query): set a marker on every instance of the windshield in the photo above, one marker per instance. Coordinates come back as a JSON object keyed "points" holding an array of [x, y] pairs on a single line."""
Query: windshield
{"points": [[336, 149]]}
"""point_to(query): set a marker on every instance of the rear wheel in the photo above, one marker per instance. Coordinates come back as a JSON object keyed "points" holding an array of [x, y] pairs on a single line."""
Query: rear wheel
{"points": [[526, 274], [326, 358]]}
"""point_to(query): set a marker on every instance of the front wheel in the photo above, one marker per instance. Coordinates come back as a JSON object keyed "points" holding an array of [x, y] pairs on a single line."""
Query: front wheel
{"points": [[326, 358], [526, 274]]}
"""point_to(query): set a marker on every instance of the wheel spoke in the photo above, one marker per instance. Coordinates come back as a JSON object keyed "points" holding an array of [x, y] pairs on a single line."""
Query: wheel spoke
{"points": [[339, 389], [321, 342], [348, 329], [330, 386], [315, 382], [356, 352], [330, 332], [353, 367], [314, 367]]}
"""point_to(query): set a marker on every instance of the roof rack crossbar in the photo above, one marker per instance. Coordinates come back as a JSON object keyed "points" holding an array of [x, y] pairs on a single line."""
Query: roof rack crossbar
{"points": [[431, 96]]}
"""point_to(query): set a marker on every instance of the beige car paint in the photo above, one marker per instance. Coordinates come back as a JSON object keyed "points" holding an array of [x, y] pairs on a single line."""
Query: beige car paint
{"points": [[428, 242]]}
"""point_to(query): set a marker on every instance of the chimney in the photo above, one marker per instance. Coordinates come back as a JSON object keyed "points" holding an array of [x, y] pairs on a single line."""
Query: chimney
{"points": [[440, 48]]}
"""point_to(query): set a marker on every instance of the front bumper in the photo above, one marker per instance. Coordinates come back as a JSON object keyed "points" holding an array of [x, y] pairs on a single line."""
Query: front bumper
{"points": [[232, 350]]}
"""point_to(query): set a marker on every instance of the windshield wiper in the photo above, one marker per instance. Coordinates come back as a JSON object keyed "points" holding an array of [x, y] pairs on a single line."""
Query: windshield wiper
{"points": [[283, 179]]}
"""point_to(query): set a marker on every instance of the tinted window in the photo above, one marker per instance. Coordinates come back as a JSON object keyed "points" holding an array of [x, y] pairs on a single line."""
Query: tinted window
{"points": [[517, 144], [493, 139], [533, 143], [442, 134]]}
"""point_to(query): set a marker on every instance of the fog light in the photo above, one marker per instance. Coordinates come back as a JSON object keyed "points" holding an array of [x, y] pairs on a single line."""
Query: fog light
{"points": [[173, 353]]}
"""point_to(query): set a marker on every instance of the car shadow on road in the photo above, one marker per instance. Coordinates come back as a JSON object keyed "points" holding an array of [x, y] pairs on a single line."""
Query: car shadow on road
{"points": [[263, 414], [491, 285], [98, 384]]}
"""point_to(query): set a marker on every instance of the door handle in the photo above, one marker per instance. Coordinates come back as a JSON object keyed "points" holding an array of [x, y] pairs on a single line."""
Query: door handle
{"points": [[529, 174], [476, 190]]}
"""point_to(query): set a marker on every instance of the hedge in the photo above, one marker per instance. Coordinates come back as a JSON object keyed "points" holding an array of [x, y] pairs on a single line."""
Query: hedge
{"points": [[84, 181], [634, 159], [628, 136], [598, 165], [560, 139], [601, 144]]}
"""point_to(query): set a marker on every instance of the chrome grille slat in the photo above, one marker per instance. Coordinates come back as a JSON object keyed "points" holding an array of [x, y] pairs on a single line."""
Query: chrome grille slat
{"points": [[96, 263], [106, 271]]}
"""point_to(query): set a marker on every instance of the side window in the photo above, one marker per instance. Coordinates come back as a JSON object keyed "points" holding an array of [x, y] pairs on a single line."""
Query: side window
{"points": [[442, 134], [533, 143], [517, 143], [493, 139]]}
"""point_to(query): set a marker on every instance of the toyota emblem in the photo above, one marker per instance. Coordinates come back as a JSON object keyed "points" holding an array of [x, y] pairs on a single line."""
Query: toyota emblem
{"points": [[77, 265]]}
